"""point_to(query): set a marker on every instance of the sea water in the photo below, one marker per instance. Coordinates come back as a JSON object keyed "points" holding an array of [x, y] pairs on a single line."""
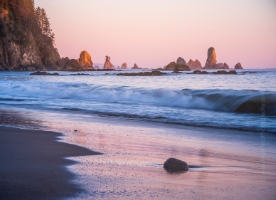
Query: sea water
{"points": [[175, 98]]}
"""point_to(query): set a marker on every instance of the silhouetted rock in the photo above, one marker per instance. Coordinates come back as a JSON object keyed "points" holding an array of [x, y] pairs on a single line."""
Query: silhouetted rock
{"points": [[97, 67], [211, 59], [108, 64], [174, 165], [44, 73], [200, 72], [152, 73], [124, 65], [181, 61], [72, 65], [238, 66], [225, 72], [135, 66], [85, 61], [194, 64], [173, 65]]}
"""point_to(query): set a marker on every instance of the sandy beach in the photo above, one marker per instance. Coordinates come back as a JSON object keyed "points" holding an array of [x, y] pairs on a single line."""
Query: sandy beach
{"points": [[33, 165], [224, 164]]}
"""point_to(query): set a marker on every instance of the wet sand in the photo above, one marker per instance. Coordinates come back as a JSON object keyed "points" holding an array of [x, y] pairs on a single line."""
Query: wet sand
{"points": [[33, 165], [224, 164]]}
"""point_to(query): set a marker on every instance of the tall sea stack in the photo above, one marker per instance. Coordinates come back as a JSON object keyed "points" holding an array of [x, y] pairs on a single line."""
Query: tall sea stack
{"points": [[211, 59]]}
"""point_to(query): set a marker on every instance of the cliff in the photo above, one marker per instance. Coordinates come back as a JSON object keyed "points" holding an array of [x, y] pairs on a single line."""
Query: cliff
{"points": [[26, 39]]}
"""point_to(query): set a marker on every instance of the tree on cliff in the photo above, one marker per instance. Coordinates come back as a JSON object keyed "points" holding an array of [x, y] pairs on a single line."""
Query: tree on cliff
{"points": [[25, 29]]}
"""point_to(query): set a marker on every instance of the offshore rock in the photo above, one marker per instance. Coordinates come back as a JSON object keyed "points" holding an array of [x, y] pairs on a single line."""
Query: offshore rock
{"points": [[72, 65], [44, 73], [181, 61], [238, 66], [124, 65], [194, 64], [211, 59], [108, 64], [135, 66], [176, 67], [152, 73], [174, 165], [222, 66], [85, 61]]}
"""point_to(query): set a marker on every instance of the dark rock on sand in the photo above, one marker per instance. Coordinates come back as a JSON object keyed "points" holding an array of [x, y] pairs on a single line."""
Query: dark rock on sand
{"points": [[238, 66], [153, 73], [174, 165], [44, 73]]}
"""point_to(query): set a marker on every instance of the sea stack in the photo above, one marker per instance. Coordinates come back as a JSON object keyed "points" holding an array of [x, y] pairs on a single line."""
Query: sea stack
{"points": [[211, 59], [194, 64], [85, 61], [181, 61], [179, 65], [135, 66], [222, 66], [238, 66], [124, 65], [108, 64]]}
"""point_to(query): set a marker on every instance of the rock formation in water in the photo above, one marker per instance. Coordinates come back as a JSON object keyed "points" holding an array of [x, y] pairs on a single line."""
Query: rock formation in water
{"points": [[211, 59], [177, 66], [222, 66], [194, 64], [108, 64], [135, 66], [238, 66], [124, 65], [72, 65], [85, 61], [181, 61], [24, 45]]}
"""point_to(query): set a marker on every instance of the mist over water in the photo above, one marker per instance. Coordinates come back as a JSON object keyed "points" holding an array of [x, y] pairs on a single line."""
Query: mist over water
{"points": [[221, 101]]}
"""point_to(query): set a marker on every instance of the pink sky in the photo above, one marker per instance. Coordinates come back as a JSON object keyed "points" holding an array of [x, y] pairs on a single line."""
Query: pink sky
{"points": [[153, 33]]}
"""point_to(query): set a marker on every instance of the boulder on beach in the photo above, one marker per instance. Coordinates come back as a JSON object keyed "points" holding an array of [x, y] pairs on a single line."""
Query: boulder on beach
{"points": [[211, 59], [174, 165], [194, 64], [85, 61], [238, 66], [108, 64]]}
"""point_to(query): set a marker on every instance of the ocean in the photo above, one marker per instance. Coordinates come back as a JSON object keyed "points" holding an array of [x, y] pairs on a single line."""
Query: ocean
{"points": [[246, 101]]}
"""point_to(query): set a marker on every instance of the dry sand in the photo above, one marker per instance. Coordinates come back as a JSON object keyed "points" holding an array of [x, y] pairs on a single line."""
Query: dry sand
{"points": [[32, 165]]}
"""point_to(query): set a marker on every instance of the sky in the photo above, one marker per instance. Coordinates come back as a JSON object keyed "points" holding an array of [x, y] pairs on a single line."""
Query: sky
{"points": [[153, 33]]}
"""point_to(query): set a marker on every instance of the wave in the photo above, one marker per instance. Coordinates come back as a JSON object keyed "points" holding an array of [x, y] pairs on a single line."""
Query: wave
{"points": [[83, 94]]}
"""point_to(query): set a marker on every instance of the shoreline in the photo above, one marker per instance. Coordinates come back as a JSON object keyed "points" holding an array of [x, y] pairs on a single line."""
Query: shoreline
{"points": [[134, 153], [33, 165]]}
